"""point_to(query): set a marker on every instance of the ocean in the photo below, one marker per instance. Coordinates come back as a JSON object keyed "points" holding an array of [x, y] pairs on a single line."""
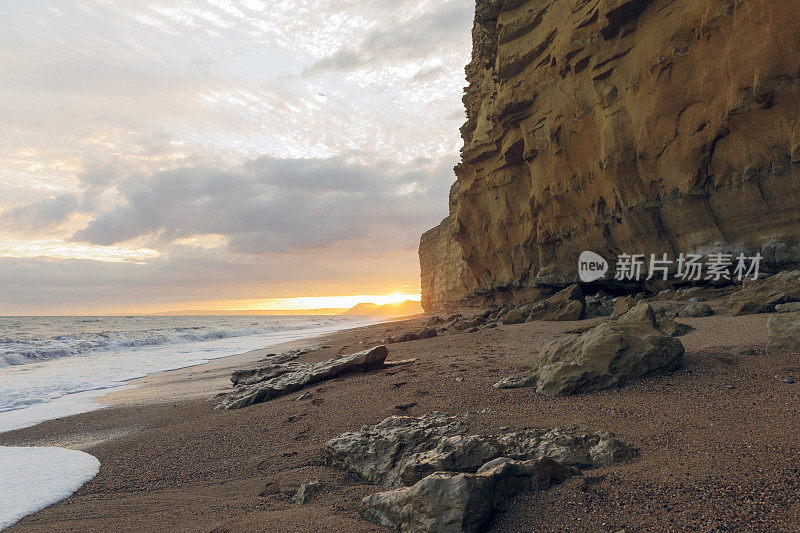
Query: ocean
{"points": [[52, 367], [57, 366]]}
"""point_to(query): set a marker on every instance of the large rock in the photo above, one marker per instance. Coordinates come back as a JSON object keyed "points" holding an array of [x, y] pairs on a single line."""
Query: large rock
{"points": [[761, 296], [404, 450], [271, 366], [623, 305], [784, 333], [283, 378], [450, 501], [608, 355], [378, 452], [567, 304], [618, 126]]}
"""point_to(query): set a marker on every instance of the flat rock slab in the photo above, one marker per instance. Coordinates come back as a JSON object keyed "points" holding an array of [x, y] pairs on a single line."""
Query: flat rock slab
{"points": [[278, 379]]}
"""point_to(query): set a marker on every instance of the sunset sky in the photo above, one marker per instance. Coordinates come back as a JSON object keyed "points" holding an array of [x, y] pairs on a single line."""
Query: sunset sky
{"points": [[223, 154]]}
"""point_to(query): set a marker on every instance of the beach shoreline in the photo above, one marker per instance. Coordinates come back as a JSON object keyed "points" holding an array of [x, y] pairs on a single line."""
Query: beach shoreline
{"points": [[708, 434]]}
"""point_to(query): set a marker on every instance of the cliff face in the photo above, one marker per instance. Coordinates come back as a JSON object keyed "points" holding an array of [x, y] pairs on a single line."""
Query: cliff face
{"points": [[618, 126]]}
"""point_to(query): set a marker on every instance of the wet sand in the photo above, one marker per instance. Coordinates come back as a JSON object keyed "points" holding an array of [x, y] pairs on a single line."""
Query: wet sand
{"points": [[718, 439]]}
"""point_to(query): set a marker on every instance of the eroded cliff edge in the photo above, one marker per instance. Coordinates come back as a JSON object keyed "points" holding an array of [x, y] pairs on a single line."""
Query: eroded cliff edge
{"points": [[618, 126]]}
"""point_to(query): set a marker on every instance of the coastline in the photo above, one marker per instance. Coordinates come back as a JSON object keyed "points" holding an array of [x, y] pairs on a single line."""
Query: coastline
{"points": [[170, 461]]}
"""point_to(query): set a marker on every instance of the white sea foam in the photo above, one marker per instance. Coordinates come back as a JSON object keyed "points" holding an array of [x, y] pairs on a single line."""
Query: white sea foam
{"points": [[45, 388], [51, 367], [34, 478]]}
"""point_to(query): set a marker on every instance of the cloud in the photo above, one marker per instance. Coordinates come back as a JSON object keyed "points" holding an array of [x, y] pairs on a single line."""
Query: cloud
{"points": [[149, 124], [273, 205], [39, 216], [423, 36]]}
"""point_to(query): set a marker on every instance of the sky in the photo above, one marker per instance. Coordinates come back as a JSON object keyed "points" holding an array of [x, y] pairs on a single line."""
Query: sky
{"points": [[223, 154]]}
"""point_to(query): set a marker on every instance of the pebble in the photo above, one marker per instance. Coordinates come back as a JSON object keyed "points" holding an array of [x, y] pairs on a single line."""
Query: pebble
{"points": [[788, 380], [503, 428], [459, 379]]}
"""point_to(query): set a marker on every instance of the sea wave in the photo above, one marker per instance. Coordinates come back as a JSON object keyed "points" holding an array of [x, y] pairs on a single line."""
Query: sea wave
{"points": [[32, 349]]}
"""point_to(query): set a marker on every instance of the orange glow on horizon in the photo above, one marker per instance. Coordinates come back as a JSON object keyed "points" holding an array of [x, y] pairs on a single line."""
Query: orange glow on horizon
{"points": [[326, 302]]}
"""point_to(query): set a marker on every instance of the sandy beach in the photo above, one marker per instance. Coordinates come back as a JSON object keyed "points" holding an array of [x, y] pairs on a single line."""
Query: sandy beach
{"points": [[717, 438]]}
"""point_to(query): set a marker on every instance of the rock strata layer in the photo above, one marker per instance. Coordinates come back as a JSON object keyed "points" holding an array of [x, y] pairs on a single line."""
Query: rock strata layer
{"points": [[618, 126]]}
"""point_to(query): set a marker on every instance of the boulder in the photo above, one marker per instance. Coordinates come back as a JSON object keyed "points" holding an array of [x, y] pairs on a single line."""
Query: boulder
{"points": [[791, 307], [274, 365], [288, 377], [377, 453], [623, 305], [404, 450], [761, 296], [673, 328], [466, 453], [784, 333], [599, 305], [567, 304], [608, 355], [517, 315], [308, 489], [435, 320], [695, 310], [451, 501]]}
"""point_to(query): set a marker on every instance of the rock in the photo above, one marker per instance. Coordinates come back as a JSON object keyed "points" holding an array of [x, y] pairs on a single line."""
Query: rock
{"points": [[744, 351], [426, 333], [582, 329], [476, 321], [461, 325], [608, 355], [435, 321], [567, 304], [791, 307], [275, 366], [449, 501], [598, 306], [377, 453], [517, 315], [672, 327], [783, 333], [403, 337], [609, 126], [403, 450], [288, 377], [788, 380], [308, 489], [761, 296], [305, 396], [623, 305], [695, 310]]}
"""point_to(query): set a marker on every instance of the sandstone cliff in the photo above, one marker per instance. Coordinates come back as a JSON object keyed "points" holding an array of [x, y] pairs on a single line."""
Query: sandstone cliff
{"points": [[636, 126]]}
